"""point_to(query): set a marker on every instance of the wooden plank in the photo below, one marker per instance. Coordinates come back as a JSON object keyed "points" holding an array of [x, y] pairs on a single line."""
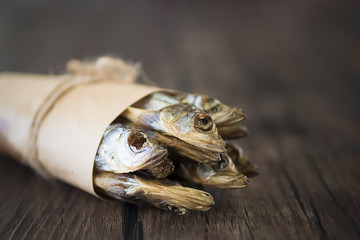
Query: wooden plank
{"points": [[32, 207]]}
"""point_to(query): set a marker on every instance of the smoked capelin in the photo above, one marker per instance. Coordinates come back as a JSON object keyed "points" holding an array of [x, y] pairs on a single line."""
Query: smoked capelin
{"points": [[166, 138]]}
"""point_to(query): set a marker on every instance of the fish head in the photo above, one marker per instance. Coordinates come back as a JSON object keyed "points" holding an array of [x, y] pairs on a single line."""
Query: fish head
{"points": [[223, 174], [193, 126], [220, 113], [241, 162], [138, 151]]}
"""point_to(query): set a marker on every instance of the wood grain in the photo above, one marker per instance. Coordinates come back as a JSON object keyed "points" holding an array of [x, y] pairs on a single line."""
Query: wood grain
{"points": [[293, 67]]}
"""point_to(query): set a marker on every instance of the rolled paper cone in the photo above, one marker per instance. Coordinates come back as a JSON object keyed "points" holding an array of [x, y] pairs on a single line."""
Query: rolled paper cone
{"points": [[55, 124]]}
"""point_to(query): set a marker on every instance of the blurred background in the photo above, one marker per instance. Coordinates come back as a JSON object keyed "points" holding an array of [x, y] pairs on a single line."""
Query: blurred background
{"points": [[236, 50], [294, 67]]}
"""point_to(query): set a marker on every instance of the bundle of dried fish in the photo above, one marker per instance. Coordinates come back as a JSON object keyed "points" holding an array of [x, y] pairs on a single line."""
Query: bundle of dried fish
{"points": [[137, 147], [188, 126]]}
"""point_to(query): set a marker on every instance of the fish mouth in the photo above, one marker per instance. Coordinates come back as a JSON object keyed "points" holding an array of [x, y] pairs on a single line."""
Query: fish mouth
{"points": [[229, 117], [212, 151], [150, 159], [216, 145], [222, 175], [242, 164], [233, 131], [147, 152]]}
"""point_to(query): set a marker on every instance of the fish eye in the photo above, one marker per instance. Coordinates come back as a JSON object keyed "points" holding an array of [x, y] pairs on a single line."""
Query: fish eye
{"points": [[203, 122], [221, 165], [212, 105], [136, 140], [215, 109]]}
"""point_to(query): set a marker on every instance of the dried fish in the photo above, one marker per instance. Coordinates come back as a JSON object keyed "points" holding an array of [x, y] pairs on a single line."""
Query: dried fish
{"points": [[161, 193], [182, 126], [241, 162], [132, 166], [224, 174], [225, 117], [126, 149]]}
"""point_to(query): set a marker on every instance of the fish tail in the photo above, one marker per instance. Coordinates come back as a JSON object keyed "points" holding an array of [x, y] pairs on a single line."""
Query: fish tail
{"points": [[166, 194], [227, 181]]}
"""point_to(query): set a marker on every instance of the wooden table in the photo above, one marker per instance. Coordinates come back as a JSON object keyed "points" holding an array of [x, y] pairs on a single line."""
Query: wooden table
{"points": [[293, 67]]}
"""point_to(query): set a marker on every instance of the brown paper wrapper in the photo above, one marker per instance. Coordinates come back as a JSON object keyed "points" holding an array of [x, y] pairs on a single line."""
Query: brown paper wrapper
{"points": [[55, 123]]}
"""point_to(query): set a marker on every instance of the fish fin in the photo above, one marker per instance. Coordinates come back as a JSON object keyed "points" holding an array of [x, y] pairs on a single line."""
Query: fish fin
{"points": [[142, 117], [223, 180], [248, 168], [242, 162], [233, 131], [167, 194]]}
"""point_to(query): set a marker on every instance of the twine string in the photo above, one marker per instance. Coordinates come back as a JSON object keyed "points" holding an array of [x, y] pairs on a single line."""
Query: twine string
{"points": [[80, 73]]}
